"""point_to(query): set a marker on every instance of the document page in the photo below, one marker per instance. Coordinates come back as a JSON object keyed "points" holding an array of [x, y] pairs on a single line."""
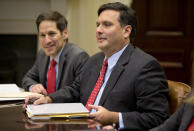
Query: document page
{"points": [[8, 88], [10, 92]]}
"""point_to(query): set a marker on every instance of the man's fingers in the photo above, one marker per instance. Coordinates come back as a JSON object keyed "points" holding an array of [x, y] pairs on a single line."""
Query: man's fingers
{"points": [[27, 99], [35, 89], [37, 102], [32, 98], [108, 127], [94, 115], [94, 107], [43, 91], [41, 100], [38, 88]]}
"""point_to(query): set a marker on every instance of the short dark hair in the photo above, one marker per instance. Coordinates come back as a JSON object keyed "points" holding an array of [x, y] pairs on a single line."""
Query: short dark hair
{"points": [[127, 15], [61, 21]]}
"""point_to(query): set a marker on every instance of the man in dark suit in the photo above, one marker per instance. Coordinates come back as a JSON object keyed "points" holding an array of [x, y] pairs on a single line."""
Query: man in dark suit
{"points": [[134, 91], [53, 36], [182, 119]]}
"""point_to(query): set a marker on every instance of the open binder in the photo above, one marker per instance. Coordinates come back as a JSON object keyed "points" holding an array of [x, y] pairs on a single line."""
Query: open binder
{"points": [[56, 110]]}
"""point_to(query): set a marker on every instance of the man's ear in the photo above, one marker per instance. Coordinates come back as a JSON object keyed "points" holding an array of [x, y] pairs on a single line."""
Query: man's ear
{"points": [[65, 34], [127, 31]]}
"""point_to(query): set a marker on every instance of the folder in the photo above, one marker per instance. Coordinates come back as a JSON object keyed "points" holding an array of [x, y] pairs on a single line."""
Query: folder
{"points": [[56, 110]]}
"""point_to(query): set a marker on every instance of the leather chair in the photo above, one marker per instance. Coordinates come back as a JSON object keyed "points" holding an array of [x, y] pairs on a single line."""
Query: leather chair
{"points": [[177, 93]]}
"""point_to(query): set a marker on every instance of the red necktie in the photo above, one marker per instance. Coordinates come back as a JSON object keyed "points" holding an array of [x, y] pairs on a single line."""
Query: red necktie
{"points": [[191, 126], [99, 82], [51, 78]]}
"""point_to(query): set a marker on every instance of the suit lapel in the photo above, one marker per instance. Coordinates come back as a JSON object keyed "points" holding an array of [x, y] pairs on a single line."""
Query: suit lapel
{"points": [[94, 74], [111, 82], [62, 61], [43, 69], [116, 73]]}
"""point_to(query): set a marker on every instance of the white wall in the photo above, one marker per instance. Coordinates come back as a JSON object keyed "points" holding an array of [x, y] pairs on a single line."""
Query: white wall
{"points": [[18, 16]]}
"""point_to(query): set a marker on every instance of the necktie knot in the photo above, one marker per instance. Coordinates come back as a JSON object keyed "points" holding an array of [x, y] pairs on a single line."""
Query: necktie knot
{"points": [[53, 62], [104, 67], [105, 62]]}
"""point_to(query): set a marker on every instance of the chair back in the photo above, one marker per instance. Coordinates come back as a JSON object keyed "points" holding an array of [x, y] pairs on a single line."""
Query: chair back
{"points": [[177, 93]]}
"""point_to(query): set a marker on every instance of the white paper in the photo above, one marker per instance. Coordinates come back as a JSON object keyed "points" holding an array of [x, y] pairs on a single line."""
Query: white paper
{"points": [[16, 94], [9, 88], [11, 92], [11, 99]]}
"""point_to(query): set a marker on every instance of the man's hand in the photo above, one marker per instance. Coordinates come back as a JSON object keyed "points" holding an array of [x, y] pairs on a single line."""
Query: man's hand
{"points": [[104, 116], [108, 127], [37, 99], [38, 88]]}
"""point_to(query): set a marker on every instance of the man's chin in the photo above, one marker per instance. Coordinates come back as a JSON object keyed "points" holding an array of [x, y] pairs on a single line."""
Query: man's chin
{"points": [[49, 53], [101, 45]]}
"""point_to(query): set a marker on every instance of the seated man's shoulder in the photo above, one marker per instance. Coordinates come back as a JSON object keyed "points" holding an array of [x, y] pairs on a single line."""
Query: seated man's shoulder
{"points": [[142, 58], [98, 57], [74, 49], [140, 53], [95, 60], [41, 54]]}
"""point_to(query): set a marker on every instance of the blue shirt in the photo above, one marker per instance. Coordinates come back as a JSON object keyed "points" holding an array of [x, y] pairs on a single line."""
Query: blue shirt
{"points": [[111, 64]]}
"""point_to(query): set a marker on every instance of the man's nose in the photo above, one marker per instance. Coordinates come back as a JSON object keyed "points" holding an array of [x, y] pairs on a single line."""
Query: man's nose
{"points": [[47, 39], [99, 29]]}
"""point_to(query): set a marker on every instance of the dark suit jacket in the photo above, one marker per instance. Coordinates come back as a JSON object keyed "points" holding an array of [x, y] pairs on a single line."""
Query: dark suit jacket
{"points": [[179, 121], [137, 88], [71, 62]]}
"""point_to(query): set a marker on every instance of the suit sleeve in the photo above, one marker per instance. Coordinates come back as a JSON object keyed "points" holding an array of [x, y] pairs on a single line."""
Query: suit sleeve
{"points": [[173, 123], [32, 76], [151, 91], [72, 93]]}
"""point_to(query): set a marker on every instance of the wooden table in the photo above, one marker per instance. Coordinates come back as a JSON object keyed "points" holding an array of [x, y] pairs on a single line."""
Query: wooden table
{"points": [[13, 118]]}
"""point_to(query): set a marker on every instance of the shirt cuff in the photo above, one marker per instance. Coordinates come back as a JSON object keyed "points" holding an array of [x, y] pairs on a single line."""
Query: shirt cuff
{"points": [[30, 87], [121, 124]]}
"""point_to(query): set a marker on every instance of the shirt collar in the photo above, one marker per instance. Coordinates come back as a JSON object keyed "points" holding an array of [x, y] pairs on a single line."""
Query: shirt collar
{"points": [[114, 58], [58, 56]]}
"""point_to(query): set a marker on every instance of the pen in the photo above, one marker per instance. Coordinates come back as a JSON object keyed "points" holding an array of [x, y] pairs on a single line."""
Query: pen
{"points": [[19, 103], [30, 101]]}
